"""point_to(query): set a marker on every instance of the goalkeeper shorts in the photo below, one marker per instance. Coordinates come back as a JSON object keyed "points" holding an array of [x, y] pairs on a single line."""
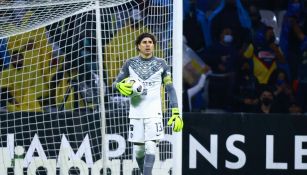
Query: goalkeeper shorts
{"points": [[144, 129]]}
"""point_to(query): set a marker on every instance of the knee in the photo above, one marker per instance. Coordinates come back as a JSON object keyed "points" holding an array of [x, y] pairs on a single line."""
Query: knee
{"points": [[150, 147], [139, 150]]}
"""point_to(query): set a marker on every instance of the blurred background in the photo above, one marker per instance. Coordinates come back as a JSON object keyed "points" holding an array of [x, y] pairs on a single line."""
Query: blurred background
{"points": [[245, 56]]}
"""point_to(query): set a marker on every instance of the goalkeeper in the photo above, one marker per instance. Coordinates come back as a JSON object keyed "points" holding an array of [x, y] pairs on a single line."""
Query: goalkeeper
{"points": [[145, 114]]}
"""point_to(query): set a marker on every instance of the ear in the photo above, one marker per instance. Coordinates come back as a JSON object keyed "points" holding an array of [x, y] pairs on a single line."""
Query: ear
{"points": [[138, 47]]}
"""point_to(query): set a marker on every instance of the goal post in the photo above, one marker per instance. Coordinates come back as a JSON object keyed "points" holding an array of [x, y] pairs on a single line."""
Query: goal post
{"points": [[58, 111], [177, 76]]}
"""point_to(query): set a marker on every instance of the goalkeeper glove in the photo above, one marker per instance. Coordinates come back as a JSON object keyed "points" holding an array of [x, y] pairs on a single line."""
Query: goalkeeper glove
{"points": [[176, 119], [124, 87]]}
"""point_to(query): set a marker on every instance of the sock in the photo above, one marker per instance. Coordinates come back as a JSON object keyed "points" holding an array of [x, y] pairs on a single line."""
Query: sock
{"points": [[140, 162], [139, 151], [150, 149], [148, 164]]}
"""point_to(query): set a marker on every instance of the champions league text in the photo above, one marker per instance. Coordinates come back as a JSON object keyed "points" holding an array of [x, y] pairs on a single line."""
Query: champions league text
{"points": [[68, 159]]}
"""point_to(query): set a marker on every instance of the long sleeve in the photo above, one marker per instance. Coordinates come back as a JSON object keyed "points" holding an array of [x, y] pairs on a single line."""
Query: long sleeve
{"points": [[124, 73]]}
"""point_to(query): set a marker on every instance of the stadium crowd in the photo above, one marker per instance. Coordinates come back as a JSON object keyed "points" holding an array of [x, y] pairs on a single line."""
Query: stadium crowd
{"points": [[55, 68], [239, 56], [252, 53]]}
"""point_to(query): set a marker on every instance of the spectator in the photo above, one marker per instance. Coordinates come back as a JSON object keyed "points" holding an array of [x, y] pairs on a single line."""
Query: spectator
{"points": [[21, 83], [246, 89], [302, 81], [226, 56], [257, 24], [265, 54], [302, 64], [192, 30], [223, 61], [205, 17], [237, 19], [290, 38], [37, 55], [267, 102], [295, 108], [282, 89]]}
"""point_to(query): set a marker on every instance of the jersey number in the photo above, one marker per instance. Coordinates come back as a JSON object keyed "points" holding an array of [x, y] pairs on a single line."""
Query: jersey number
{"points": [[159, 127]]}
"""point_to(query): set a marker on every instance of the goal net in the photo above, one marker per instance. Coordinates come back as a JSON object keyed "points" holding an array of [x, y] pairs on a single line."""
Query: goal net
{"points": [[58, 59]]}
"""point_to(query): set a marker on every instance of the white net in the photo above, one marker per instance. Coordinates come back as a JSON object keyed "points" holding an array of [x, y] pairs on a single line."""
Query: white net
{"points": [[57, 115]]}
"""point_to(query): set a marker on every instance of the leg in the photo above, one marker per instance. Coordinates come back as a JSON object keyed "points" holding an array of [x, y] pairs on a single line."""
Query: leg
{"points": [[150, 149], [139, 152], [153, 133], [136, 135]]}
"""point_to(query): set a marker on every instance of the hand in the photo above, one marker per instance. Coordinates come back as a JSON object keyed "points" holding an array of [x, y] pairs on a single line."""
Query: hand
{"points": [[247, 101], [176, 119], [124, 87], [250, 101]]}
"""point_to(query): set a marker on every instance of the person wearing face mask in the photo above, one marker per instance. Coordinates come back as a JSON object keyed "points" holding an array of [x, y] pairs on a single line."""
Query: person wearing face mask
{"points": [[225, 54], [223, 61], [267, 103], [234, 15], [228, 39], [282, 89]]}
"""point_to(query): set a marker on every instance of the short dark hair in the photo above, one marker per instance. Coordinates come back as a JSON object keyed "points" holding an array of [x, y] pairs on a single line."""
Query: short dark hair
{"points": [[145, 35]]}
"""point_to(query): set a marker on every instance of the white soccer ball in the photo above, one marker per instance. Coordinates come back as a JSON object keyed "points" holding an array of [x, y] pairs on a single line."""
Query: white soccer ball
{"points": [[137, 86]]}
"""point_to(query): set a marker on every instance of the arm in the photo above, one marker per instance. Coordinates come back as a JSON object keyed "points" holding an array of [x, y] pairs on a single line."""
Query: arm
{"points": [[300, 35], [298, 31], [124, 73], [168, 83], [172, 95], [279, 55], [120, 84], [198, 87], [175, 119], [248, 52]]}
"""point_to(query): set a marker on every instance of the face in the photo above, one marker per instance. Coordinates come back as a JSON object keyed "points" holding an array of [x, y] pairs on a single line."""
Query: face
{"points": [[146, 47], [226, 31], [295, 109], [270, 34], [267, 94], [281, 76], [226, 35]]}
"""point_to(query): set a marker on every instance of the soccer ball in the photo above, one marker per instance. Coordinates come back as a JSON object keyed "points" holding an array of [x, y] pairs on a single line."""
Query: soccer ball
{"points": [[137, 86]]}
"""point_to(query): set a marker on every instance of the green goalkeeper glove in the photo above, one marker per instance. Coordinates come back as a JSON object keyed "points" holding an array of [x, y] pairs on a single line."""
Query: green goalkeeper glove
{"points": [[176, 119], [124, 87]]}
